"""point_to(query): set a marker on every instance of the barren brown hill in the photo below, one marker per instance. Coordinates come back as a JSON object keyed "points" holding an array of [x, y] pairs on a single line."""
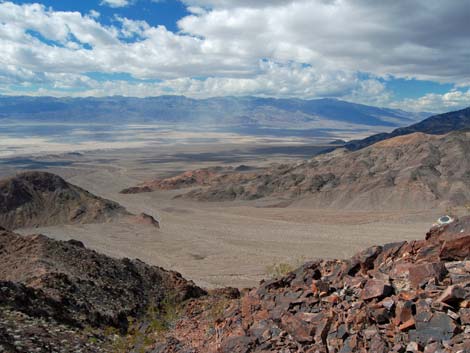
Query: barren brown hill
{"points": [[42, 199], [415, 171], [191, 178]]}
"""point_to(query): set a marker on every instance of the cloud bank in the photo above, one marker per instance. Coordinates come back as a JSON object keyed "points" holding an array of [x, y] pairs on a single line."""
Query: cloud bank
{"points": [[291, 48]]}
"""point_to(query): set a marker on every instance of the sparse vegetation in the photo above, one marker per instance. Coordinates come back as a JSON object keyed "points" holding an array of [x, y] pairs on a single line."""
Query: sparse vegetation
{"points": [[217, 309], [281, 269], [152, 327]]}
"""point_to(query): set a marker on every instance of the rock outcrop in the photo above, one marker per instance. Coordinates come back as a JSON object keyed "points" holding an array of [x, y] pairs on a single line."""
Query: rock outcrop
{"points": [[401, 297], [52, 291], [192, 178], [145, 219], [33, 199], [80, 286], [415, 171]]}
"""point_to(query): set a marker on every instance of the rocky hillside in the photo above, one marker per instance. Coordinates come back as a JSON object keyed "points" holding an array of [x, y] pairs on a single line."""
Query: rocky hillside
{"points": [[401, 297], [53, 294], [200, 177], [436, 125], [42, 199], [415, 171]]}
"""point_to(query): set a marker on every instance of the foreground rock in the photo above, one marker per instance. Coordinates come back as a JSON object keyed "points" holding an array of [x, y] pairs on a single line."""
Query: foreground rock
{"points": [[33, 199], [401, 297], [52, 291], [415, 171]]}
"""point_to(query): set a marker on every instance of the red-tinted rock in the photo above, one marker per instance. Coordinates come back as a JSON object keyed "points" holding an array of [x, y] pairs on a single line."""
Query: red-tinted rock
{"points": [[455, 250], [453, 295], [404, 312], [320, 287], [376, 289], [407, 325], [420, 274], [299, 329], [321, 330]]}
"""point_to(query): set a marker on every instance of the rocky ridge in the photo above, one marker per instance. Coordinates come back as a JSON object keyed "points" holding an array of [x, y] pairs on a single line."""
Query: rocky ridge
{"points": [[415, 171], [402, 297], [54, 290], [193, 178]]}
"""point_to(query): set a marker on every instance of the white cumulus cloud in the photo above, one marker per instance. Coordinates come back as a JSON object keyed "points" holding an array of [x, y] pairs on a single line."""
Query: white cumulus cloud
{"points": [[116, 3], [288, 48]]}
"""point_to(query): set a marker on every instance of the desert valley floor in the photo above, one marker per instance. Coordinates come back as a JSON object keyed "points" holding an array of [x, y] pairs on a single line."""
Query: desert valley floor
{"points": [[215, 244]]}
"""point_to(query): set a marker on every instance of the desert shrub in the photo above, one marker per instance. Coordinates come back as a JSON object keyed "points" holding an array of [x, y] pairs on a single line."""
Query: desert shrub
{"points": [[217, 309], [143, 332], [317, 182], [466, 177], [298, 178], [431, 161], [414, 176], [279, 270]]}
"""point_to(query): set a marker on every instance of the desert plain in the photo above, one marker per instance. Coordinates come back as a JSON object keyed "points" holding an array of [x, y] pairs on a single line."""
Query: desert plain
{"points": [[215, 243]]}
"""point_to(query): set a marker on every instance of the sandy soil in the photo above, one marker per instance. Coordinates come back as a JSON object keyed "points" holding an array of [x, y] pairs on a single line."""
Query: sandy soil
{"points": [[219, 244]]}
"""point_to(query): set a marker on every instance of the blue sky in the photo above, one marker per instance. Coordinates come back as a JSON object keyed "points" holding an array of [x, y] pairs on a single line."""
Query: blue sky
{"points": [[380, 53], [165, 13]]}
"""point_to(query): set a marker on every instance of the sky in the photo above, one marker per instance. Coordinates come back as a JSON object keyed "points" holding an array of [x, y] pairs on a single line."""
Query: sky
{"points": [[412, 55]]}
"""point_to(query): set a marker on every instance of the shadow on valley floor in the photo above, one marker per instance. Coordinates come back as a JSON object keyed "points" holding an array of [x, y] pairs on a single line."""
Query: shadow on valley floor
{"points": [[29, 163], [237, 155], [157, 159]]}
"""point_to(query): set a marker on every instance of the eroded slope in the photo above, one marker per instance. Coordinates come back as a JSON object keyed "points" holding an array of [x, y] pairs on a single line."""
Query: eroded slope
{"points": [[415, 171], [42, 199]]}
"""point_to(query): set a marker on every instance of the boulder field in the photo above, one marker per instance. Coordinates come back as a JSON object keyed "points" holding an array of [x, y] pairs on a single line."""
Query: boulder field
{"points": [[400, 297]]}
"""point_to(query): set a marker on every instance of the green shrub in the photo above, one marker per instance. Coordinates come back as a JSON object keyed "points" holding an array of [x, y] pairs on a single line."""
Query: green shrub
{"points": [[279, 270], [143, 332]]}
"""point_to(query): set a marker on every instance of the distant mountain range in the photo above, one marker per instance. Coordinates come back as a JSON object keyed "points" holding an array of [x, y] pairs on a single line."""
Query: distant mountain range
{"points": [[237, 114], [435, 125]]}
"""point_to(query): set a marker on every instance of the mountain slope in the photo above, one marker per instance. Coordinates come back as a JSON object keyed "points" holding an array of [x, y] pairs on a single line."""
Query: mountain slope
{"points": [[408, 172], [229, 113], [42, 199], [437, 125], [52, 290]]}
